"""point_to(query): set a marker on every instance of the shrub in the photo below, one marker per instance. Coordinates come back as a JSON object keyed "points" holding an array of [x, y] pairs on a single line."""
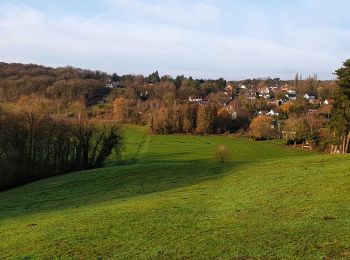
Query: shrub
{"points": [[222, 153]]}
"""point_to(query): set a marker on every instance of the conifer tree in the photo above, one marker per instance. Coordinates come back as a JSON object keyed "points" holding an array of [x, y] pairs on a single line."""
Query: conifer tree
{"points": [[340, 114]]}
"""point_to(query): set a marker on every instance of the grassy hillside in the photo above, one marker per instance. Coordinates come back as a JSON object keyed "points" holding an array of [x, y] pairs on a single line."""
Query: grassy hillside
{"points": [[175, 201]]}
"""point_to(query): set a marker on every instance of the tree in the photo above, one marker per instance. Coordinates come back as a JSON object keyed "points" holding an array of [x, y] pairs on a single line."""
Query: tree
{"points": [[221, 83], [287, 107], [296, 130], [77, 108], [162, 121], [296, 81], [261, 128], [178, 81], [35, 146], [36, 105], [115, 77], [224, 119], [124, 110], [340, 114], [189, 114], [154, 78], [206, 119]]}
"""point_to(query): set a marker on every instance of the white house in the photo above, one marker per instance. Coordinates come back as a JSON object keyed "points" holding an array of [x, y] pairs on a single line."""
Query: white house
{"points": [[111, 84], [197, 99], [272, 113], [291, 96], [309, 96], [328, 101], [264, 90]]}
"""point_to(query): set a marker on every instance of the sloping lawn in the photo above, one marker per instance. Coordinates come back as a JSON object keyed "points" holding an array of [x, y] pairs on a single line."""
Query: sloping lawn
{"points": [[174, 201]]}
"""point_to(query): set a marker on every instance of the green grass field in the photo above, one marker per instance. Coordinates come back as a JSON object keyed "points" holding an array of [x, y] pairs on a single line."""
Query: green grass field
{"points": [[171, 199]]}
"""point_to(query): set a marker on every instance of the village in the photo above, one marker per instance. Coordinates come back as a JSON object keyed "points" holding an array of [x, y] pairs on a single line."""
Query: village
{"points": [[274, 98]]}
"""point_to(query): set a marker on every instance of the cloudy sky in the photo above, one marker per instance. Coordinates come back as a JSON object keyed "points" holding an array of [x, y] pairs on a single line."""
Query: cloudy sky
{"points": [[235, 39]]}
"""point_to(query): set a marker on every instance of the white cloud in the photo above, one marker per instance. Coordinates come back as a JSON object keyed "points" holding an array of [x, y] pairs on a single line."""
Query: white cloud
{"points": [[197, 38], [180, 13]]}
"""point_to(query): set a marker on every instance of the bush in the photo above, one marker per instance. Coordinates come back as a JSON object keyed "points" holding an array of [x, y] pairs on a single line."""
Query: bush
{"points": [[222, 153]]}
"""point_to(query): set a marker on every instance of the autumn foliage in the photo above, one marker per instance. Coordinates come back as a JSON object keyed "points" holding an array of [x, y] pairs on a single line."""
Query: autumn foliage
{"points": [[262, 128], [222, 153]]}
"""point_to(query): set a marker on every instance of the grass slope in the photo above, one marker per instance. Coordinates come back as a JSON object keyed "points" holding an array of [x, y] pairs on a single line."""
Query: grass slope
{"points": [[175, 201]]}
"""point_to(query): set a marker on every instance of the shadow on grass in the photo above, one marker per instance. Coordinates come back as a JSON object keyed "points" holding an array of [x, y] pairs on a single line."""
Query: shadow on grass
{"points": [[114, 183]]}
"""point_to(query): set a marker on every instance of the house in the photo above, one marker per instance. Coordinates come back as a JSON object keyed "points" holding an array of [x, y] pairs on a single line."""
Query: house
{"points": [[266, 96], [196, 99], [291, 96], [239, 89], [267, 113], [262, 112], [111, 84], [329, 101], [250, 96], [272, 113], [264, 90], [309, 96]]}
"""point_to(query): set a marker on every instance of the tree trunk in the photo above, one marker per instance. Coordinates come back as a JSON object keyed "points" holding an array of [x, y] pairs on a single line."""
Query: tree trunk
{"points": [[343, 150], [347, 143], [335, 149]]}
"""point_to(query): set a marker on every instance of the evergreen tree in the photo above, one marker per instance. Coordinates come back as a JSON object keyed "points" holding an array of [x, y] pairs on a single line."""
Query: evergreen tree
{"points": [[115, 77], [340, 114], [178, 81], [154, 77], [296, 81], [221, 83]]}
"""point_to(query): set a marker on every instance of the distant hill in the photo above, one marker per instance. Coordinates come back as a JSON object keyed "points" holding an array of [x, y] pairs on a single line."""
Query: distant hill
{"points": [[64, 83]]}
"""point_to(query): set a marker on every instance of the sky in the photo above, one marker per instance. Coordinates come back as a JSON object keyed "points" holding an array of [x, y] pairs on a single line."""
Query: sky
{"points": [[234, 39]]}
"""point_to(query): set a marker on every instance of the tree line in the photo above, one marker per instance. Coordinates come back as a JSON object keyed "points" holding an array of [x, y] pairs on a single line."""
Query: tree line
{"points": [[35, 146], [322, 127], [163, 103]]}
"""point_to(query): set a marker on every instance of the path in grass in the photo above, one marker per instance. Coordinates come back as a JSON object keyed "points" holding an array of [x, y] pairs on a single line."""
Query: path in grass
{"points": [[177, 202]]}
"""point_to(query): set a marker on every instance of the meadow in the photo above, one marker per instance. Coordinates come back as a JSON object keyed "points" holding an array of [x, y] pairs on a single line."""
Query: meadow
{"points": [[170, 198]]}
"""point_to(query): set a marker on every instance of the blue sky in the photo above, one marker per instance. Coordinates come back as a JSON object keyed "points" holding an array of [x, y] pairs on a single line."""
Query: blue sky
{"points": [[206, 39]]}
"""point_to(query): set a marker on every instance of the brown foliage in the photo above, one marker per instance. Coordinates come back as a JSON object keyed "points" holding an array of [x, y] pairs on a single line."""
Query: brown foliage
{"points": [[224, 119], [261, 127], [66, 84], [222, 153], [287, 107], [125, 110], [162, 121], [206, 119]]}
